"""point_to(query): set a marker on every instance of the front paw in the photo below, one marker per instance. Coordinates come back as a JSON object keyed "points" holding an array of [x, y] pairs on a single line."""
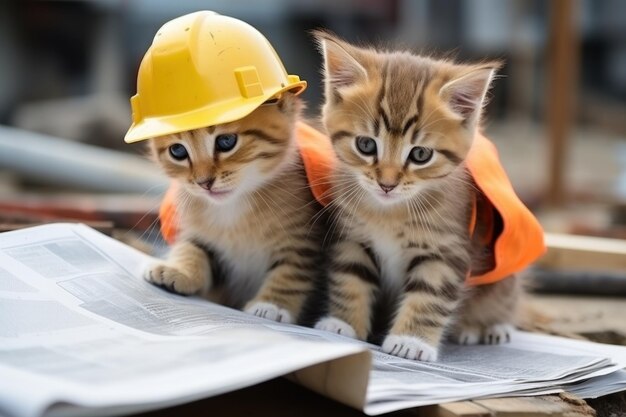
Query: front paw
{"points": [[172, 279], [490, 335], [467, 336], [269, 311], [497, 334], [335, 325], [409, 347]]}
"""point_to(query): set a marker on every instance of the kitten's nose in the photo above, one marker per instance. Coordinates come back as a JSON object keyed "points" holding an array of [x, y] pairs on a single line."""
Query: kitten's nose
{"points": [[206, 184], [387, 187]]}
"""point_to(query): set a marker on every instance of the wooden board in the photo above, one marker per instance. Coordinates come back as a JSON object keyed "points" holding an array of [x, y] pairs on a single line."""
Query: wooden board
{"points": [[600, 319], [522, 407], [564, 404], [457, 409], [586, 253]]}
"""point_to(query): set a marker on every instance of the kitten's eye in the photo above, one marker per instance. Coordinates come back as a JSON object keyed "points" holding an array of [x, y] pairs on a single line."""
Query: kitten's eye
{"points": [[366, 145], [421, 155], [225, 142], [178, 152]]}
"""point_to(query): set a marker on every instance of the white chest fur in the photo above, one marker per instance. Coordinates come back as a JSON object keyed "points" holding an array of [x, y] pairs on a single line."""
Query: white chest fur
{"points": [[244, 265], [242, 255], [391, 259]]}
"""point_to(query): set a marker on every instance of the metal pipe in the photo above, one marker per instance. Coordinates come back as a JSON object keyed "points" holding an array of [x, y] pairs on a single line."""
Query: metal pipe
{"points": [[62, 162], [612, 284]]}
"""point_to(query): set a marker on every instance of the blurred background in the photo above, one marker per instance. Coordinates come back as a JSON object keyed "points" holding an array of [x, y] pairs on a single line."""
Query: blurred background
{"points": [[557, 113]]}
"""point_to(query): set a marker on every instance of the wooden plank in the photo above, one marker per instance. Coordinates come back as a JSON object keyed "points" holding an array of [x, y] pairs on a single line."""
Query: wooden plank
{"points": [[584, 253], [562, 72], [105, 227], [126, 211], [458, 409], [564, 404], [598, 318], [576, 407], [522, 407]]}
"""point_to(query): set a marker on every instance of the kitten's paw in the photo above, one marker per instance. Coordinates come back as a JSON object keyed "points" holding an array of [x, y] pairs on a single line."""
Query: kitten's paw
{"points": [[334, 325], [409, 347], [497, 334], [468, 336], [172, 279], [269, 311]]}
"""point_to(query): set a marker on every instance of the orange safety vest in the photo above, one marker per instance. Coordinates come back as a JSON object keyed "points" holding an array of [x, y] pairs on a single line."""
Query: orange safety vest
{"points": [[519, 243]]}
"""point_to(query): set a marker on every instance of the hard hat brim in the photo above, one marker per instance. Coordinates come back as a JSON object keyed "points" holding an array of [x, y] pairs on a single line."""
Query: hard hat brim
{"points": [[223, 112]]}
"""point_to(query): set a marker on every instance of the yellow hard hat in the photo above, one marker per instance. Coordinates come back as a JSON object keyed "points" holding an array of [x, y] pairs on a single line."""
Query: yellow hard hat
{"points": [[205, 69]]}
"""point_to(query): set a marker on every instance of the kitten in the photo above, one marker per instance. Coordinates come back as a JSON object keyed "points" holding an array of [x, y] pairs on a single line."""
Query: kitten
{"points": [[401, 126], [245, 239]]}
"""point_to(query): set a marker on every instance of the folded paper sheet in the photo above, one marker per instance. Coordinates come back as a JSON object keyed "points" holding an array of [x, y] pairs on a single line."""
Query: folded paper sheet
{"points": [[81, 333]]}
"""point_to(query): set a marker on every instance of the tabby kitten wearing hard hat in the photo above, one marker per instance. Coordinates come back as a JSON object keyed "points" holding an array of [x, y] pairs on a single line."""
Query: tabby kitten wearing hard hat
{"points": [[219, 111]]}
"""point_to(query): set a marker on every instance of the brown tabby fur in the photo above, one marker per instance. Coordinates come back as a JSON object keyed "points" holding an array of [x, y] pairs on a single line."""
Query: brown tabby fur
{"points": [[255, 248], [410, 244]]}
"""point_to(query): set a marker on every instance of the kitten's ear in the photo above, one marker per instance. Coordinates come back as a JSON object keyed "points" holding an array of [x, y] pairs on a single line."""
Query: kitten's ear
{"points": [[466, 93], [341, 65]]}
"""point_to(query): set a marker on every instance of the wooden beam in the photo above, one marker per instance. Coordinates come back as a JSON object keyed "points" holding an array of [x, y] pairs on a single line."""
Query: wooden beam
{"points": [[562, 75], [102, 226], [458, 409], [563, 404], [584, 253], [523, 407]]}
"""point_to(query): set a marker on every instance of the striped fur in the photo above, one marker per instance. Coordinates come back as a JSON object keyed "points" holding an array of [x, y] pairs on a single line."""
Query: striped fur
{"points": [[401, 226], [253, 248]]}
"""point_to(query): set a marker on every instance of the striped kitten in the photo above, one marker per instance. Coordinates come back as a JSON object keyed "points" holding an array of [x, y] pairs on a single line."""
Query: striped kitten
{"points": [[401, 126], [244, 211]]}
